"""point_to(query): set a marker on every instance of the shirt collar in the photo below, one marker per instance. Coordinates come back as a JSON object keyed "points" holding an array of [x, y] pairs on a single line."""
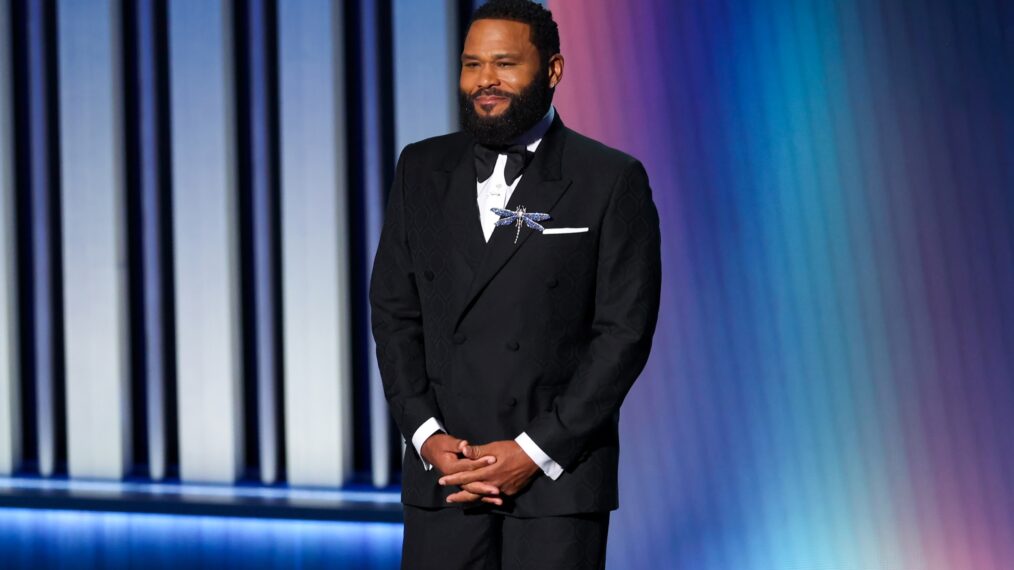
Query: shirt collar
{"points": [[533, 136]]}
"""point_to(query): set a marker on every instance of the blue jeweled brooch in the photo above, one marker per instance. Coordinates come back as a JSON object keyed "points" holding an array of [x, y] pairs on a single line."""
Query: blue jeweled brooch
{"points": [[530, 219]]}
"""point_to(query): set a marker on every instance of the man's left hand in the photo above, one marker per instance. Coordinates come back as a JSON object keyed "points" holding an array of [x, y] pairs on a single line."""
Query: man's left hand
{"points": [[511, 472]]}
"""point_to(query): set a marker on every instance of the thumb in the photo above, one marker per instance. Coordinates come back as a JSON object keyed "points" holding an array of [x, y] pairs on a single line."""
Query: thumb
{"points": [[472, 451]]}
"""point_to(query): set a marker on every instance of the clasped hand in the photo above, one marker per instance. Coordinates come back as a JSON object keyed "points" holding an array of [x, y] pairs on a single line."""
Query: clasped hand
{"points": [[485, 473]]}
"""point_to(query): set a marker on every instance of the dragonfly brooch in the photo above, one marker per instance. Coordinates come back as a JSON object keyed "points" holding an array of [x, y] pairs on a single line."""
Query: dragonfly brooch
{"points": [[518, 217]]}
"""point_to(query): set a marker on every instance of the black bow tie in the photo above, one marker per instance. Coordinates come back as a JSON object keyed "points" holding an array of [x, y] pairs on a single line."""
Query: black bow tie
{"points": [[518, 157]]}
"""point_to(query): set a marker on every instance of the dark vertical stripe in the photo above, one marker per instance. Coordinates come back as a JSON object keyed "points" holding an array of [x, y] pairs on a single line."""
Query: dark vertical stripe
{"points": [[257, 113], [55, 309], [135, 284], [465, 9], [22, 208], [160, 304], [370, 111], [247, 263], [145, 301], [386, 80], [37, 181], [357, 235], [273, 217], [159, 214]]}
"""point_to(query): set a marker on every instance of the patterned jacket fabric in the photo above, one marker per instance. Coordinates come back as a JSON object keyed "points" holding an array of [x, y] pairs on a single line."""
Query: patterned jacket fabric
{"points": [[544, 336]]}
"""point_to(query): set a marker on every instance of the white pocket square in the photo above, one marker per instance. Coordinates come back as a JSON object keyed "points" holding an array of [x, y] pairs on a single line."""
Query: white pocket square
{"points": [[564, 230]]}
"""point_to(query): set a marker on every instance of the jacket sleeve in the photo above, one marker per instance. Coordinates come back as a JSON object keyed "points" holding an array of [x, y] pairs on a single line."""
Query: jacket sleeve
{"points": [[628, 285], [397, 318]]}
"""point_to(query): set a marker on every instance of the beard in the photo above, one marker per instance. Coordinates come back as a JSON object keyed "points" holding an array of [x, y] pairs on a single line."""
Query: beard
{"points": [[523, 111]]}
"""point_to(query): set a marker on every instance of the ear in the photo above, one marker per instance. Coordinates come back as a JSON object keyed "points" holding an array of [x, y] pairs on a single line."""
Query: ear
{"points": [[555, 70]]}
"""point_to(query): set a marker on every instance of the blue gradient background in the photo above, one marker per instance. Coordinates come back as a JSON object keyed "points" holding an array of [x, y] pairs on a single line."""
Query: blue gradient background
{"points": [[832, 382]]}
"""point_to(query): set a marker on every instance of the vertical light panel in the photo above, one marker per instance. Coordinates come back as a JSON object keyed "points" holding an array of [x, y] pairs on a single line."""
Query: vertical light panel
{"points": [[98, 400], [424, 32], [209, 390], [315, 246], [10, 401], [374, 164]]}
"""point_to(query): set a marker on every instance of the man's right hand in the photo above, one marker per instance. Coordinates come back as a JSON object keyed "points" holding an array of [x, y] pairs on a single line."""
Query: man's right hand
{"points": [[445, 452]]}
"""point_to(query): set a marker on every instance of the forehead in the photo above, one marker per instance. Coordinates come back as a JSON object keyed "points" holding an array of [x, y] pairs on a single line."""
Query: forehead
{"points": [[498, 36]]}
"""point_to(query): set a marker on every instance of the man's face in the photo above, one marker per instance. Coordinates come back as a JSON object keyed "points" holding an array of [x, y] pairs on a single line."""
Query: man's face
{"points": [[504, 89]]}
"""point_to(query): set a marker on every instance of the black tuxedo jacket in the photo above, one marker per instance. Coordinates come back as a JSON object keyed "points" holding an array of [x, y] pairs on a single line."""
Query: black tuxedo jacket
{"points": [[545, 336]]}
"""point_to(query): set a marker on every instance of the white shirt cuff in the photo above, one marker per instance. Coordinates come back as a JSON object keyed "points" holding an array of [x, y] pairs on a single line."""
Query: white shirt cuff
{"points": [[428, 428], [551, 468]]}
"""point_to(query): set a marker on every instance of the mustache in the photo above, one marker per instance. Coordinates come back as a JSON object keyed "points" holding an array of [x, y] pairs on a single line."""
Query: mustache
{"points": [[491, 92]]}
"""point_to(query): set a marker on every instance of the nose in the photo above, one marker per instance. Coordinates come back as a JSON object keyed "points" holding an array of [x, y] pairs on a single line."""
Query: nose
{"points": [[487, 77]]}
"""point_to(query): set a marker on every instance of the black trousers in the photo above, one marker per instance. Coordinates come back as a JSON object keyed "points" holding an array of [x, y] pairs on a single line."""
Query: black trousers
{"points": [[456, 538]]}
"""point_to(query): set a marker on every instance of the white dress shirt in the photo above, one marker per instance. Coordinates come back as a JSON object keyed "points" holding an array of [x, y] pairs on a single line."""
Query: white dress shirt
{"points": [[494, 192]]}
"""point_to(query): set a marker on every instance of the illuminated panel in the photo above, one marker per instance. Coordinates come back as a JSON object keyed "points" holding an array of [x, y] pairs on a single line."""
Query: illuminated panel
{"points": [[205, 250], [318, 375], [38, 538], [10, 402], [425, 32], [98, 401]]}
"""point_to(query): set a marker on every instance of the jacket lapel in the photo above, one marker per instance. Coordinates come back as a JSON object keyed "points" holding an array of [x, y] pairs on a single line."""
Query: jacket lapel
{"points": [[540, 188], [456, 177]]}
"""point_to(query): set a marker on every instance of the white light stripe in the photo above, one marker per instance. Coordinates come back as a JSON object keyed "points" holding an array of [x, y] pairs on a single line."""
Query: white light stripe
{"points": [[315, 244], [195, 491], [10, 400], [94, 251], [205, 241]]}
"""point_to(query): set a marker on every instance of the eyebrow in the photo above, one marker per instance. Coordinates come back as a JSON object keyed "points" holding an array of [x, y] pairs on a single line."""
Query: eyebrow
{"points": [[495, 56]]}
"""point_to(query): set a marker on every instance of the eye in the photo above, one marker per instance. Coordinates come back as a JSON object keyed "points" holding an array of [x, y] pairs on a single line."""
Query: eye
{"points": [[505, 64]]}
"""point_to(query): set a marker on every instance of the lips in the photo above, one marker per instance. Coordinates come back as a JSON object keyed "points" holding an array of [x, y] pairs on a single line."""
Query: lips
{"points": [[489, 100]]}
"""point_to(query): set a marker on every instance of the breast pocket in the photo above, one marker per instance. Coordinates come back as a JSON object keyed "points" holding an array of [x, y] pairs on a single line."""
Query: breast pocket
{"points": [[566, 242]]}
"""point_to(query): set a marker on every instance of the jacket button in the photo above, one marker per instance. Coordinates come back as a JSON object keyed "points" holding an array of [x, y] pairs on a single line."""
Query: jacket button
{"points": [[513, 345], [428, 274], [551, 282], [459, 338], [511, 402]]}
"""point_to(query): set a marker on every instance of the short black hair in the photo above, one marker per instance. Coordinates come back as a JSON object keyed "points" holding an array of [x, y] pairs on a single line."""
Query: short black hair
{"points": [[545, 35]]}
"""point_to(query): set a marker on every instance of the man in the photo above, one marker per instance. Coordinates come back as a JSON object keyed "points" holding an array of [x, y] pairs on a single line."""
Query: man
{"points": [[506, 350]]}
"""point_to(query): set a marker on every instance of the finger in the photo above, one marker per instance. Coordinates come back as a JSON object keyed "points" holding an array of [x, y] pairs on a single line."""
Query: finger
{"points": [[472, 451], [481, 488], [452, 444], [460, 465], [493, 501], [462, 497], [463, 477]]}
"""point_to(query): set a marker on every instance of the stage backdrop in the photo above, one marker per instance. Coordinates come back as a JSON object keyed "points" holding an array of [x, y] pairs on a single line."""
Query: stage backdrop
{"points": [[191, 193], [832, 384]]}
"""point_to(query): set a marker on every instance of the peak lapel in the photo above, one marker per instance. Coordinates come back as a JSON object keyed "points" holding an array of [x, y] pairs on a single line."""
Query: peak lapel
{"points": [[540, 188], [458, 205]]}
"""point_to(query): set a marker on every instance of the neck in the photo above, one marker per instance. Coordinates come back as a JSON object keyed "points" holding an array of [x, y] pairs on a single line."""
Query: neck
{"points": [[538, 130]]}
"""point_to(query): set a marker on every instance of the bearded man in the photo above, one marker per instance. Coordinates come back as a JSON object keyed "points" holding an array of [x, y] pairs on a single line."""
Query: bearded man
{"points": [[515, 293]]}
